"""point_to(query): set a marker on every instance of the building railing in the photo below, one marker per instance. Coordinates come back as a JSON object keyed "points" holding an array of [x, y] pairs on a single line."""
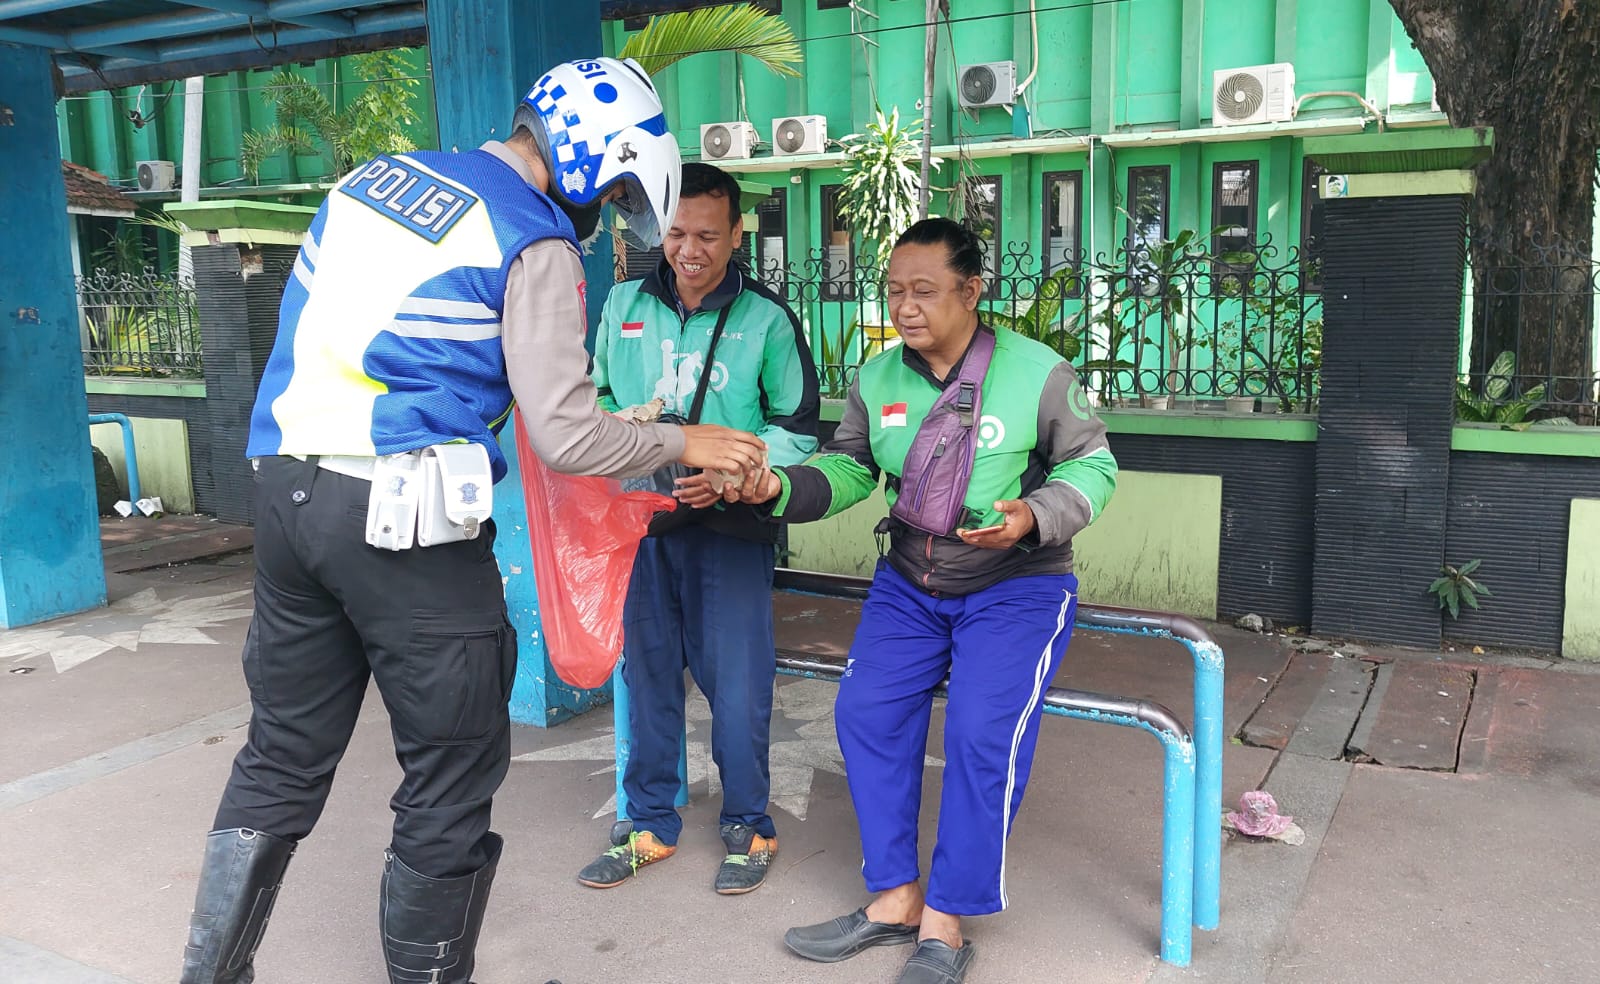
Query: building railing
{"points": [[143, 325], [1533, 306], [1167, 325]]}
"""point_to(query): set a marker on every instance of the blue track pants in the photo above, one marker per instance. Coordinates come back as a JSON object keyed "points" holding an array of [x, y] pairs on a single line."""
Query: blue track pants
{"points": [[1000, 647], [701, 600]]}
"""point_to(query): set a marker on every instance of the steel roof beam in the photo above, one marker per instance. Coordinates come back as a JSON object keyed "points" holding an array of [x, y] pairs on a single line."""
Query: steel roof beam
{"points": [[134, 73], [397, 18], [261, 9], [12, 9], [195, 21], [60, 42]]}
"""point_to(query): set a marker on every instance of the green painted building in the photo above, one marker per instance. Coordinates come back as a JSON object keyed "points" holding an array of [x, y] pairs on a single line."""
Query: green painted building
{"points": [[1115, 115], [113, 131]]}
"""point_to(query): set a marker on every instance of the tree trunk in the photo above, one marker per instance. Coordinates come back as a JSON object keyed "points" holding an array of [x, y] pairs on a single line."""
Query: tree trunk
{"points": [[1531, 70]]}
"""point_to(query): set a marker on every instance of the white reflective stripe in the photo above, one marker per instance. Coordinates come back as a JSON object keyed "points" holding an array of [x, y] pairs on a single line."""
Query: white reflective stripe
{"points": [[310, 248], [302, 272], [446, 330], [446, 309], [1040, 671]]}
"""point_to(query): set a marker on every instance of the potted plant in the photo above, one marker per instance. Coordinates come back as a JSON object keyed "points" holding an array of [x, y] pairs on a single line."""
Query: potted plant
{"points": [[1495, 405], [1040, 319]]}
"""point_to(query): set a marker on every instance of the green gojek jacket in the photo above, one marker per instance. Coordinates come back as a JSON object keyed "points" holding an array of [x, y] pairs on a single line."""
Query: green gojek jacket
{"points": [[1039, 440], [762, 381]]}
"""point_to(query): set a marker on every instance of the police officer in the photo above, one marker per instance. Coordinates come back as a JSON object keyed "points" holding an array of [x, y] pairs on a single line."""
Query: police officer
{"points": [[431, 289]]}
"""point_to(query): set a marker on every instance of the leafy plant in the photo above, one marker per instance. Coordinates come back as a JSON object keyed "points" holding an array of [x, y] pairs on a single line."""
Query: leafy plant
{"points": [[1274, 342], [741, 28], [126, 251], [879, 194], [375, 122], [120, 340], [1039, 320], [1457, 585], [835, 351], [1492, 405], [1150, 297]]}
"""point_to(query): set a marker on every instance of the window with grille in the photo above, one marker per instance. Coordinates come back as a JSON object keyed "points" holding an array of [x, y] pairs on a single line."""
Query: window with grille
{"points": [[1063, 219], [1148, 194], [1233, 215], [838, 250]]}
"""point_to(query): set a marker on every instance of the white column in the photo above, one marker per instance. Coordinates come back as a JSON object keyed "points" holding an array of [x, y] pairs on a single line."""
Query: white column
{"points": [[194, 91]]}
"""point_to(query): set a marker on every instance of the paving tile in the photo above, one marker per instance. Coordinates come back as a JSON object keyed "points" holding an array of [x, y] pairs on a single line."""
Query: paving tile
{"points": [[1535, 722], [1416, 719], [1292, 694]]}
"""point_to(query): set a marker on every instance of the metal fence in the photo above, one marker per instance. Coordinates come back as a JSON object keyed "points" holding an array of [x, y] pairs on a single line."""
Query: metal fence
{"points": [[1171, 325], [144, 325], [1531, 316]]}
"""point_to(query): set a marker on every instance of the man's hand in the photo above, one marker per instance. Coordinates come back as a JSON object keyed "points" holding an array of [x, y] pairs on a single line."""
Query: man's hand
{"points": [[724, 449], [760, 487], [1018, 523], [700, 490]]}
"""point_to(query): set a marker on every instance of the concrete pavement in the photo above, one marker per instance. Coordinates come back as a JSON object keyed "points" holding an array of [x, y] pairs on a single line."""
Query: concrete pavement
{"points": [[115, 743]]}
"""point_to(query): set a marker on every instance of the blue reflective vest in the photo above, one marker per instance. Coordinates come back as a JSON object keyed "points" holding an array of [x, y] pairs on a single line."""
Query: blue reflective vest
{"points": [[389, 332]]}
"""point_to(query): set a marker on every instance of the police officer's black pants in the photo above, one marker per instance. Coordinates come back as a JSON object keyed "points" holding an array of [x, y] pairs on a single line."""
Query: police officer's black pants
{"points": [[428, 624]]}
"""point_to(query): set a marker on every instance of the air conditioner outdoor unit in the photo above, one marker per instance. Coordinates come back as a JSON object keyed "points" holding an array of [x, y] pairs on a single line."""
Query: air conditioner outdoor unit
{"points": [[988, 84], [155, 175], [734, 140], [799, 134], [1258, 94]]}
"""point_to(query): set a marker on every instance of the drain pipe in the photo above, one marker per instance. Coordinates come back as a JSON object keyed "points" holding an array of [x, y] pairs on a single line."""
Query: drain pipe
{"points": [[127, 449]]}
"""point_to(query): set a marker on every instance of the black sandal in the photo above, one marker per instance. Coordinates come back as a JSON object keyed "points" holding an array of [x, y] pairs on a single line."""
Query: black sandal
{"points": [[934, 962], [844, 937]]}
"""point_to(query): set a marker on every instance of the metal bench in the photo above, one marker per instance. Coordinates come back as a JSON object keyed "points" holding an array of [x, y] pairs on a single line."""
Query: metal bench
{"points": [[1191, 841]]}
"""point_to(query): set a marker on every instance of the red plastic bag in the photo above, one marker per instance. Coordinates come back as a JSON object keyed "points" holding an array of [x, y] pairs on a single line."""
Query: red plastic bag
{"points": [[583, 533]]}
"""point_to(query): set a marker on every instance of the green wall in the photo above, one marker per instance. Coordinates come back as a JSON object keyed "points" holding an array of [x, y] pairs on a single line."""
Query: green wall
{"points": [[95, 130], [1580, 636], [1156, 546], [162, 448], [1108, 68]]}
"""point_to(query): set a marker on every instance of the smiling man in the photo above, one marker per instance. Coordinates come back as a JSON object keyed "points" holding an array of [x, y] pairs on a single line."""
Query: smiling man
{"points": [[701, 593]]}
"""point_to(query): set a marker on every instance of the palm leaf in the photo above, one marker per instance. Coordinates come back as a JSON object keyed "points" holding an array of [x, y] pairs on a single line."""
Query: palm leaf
{"points": [[296, 98], [740, 28]]}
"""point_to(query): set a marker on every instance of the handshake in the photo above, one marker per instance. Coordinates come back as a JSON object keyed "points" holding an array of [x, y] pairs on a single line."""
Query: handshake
{"points": [[733, 463], [753, 484]]}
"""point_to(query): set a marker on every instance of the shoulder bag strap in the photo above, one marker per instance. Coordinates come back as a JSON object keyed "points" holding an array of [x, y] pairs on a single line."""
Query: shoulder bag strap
{"points": [[705, 370]]}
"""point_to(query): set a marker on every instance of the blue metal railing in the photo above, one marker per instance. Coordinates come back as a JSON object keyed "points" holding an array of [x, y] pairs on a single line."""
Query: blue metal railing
{"points": [[127, 449], [1191, 852]]}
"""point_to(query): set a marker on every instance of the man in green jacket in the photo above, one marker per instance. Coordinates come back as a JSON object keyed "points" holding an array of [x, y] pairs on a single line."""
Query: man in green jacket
{"points": [[700, 596]]}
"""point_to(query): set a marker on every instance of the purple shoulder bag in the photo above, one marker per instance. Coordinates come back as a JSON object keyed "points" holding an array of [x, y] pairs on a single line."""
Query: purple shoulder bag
{"points": [[938, 468]]}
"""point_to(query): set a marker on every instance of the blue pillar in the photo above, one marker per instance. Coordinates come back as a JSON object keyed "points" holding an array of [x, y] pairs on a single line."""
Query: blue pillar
{"points": [[50, 561], [486, 54]]}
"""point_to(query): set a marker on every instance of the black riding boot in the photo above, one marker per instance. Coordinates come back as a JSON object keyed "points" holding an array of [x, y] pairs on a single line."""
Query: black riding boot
{"points": [[239, 882], [430, 925]]}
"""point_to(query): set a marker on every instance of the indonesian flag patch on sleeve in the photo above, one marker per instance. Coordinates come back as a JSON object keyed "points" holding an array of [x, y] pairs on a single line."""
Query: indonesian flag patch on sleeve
{"points": [[633, 329], [894, 415]]}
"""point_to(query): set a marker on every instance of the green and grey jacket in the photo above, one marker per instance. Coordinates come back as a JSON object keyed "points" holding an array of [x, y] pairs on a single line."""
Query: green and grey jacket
{"points": [[762, 381], [1039, 440]]}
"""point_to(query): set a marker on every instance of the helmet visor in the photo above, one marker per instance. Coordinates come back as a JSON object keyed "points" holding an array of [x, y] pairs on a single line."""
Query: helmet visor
{"points": [[641, 224]]}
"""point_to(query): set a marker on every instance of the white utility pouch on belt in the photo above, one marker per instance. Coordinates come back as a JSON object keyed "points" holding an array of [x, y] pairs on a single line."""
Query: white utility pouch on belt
{"points": [[457, 493], [392, 504]]}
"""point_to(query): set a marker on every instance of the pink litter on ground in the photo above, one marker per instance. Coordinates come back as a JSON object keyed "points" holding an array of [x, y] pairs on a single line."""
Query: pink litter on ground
{"points": [[1258, 815]]}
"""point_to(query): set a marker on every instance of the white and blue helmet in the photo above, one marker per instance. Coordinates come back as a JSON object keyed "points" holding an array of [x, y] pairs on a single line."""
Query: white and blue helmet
{"points": [[599, 124]]}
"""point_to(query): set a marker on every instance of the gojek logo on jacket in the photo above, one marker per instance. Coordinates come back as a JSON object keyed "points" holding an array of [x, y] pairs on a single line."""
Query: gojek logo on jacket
{"points": [[680, 376]]}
